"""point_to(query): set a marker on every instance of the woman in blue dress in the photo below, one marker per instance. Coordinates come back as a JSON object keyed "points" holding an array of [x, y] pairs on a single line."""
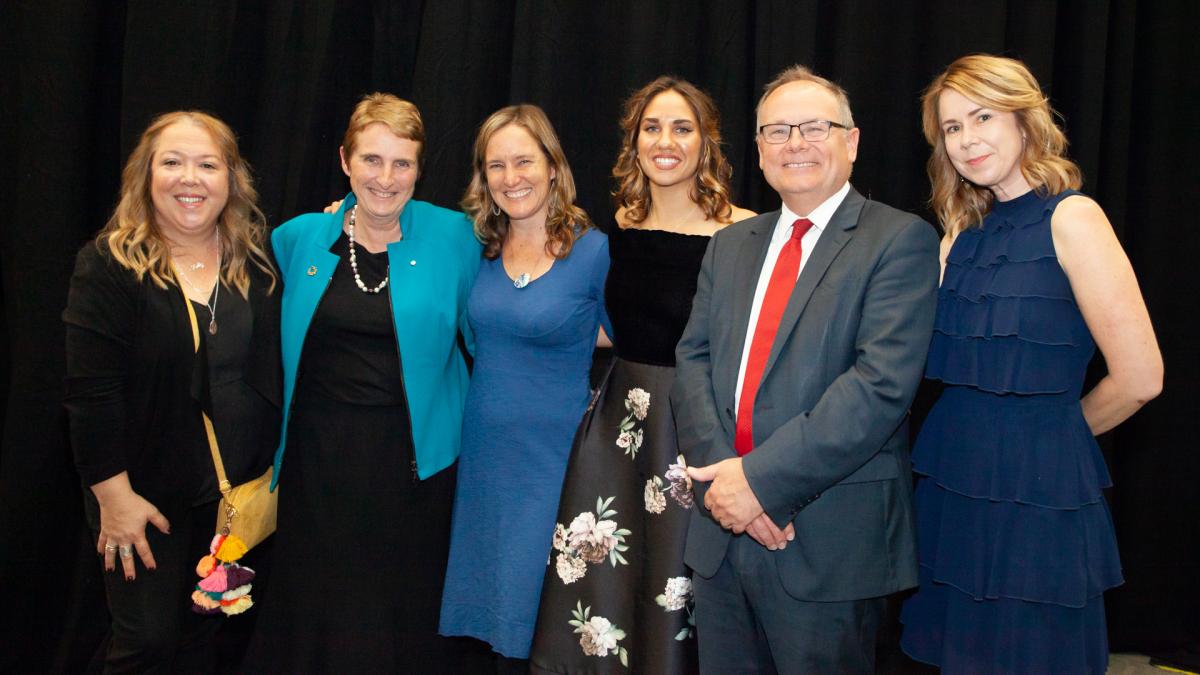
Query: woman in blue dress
{"points": [[1016, 541], [535, 310]]}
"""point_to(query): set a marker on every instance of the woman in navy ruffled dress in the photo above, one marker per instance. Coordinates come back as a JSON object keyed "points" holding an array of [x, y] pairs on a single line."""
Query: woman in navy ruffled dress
{"points": [[1016, 541]]}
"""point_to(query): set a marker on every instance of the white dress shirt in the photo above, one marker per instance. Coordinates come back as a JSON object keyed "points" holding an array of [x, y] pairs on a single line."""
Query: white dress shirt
{"points": [[820, 217]]}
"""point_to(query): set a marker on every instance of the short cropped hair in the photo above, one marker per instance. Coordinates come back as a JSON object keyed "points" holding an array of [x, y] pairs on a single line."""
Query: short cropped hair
{"points": [[400, 116], [799, 73]]}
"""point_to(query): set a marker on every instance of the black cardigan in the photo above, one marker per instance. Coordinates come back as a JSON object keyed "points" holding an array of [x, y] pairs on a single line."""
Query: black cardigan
{"points": [[134, 386]]}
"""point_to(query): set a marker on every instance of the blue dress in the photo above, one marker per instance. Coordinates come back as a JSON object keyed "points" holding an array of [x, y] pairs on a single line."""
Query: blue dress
{"points": [[1016, 542], [529, 389]]}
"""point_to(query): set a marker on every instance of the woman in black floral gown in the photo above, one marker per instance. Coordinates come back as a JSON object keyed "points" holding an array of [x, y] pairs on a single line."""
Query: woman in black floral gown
{"points": [[617, 596]]}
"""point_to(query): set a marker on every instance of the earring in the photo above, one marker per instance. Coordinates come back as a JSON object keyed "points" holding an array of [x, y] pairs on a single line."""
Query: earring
{"points": [[495, 210]]}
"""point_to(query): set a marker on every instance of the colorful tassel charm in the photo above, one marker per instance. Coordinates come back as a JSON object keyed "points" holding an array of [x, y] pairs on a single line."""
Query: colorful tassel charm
{"points": [[205, 566], [224, 585], [231, 549]]}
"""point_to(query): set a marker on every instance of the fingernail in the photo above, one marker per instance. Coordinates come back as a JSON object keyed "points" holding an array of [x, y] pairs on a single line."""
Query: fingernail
{"points": [[128, 578], [152, 568], [791, 536], [783, 546]]}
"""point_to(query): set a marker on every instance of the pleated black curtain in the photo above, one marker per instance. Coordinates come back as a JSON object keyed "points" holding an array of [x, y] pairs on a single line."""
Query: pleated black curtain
{"points": [[80, 79]]}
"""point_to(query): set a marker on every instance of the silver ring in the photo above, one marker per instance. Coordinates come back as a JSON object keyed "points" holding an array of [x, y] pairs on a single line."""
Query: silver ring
{"points": [[109, 548], [126, 551]]}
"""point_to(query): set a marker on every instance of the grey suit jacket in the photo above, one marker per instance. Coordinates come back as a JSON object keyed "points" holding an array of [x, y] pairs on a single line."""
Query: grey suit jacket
{"points": [[831, 414]]}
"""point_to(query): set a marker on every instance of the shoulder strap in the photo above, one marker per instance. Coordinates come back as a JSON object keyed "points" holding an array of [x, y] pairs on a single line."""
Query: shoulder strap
{"points": [[222, 480]]}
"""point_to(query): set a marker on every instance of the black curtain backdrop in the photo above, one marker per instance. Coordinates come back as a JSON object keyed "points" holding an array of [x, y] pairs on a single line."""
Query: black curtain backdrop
{"points": [[80, 79]]}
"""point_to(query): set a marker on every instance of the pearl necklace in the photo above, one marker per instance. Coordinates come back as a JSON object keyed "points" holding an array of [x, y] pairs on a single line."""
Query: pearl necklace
{"points": [[354, 261]]}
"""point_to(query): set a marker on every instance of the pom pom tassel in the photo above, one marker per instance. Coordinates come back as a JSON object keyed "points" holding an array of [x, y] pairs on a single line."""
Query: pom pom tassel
{"points": [[224, 585]]}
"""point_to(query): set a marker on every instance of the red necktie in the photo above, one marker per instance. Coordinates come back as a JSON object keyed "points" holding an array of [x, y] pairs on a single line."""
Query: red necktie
{"points": [[779, 289]]}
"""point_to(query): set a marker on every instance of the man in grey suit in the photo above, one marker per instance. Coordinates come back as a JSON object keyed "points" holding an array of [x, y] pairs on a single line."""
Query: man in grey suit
{"points": [[794, 376]]}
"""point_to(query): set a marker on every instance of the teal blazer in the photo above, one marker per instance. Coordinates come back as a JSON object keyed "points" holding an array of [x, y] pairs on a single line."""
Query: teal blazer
{"points": [[432, 269]]}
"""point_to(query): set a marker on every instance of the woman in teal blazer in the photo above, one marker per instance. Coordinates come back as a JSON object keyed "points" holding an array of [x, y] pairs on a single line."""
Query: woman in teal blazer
{"points": [[375, 381]]}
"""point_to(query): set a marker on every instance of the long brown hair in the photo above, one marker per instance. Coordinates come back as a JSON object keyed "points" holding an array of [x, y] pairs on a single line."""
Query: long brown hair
{"points": [[1006, 85], [710, 189], [134, 239], [564, 222]]}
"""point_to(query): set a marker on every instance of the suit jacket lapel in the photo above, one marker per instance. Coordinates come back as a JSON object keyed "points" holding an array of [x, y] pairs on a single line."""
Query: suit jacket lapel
{"points": [[745, 280], [837, 233]]}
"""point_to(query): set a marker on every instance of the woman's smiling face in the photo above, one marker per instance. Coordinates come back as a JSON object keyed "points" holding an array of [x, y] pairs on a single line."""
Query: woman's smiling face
{"points": [[984, 145], [189, 181], [519, 174], [383, 172], [668, 140]]}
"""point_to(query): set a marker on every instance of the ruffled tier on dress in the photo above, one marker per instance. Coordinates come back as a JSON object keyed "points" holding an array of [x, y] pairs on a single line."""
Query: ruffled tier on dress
{"points": [[1007, 321], [1016, 542]]}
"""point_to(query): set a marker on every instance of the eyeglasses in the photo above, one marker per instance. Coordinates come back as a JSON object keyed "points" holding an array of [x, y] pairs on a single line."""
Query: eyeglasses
{"points": [[812, 131]]}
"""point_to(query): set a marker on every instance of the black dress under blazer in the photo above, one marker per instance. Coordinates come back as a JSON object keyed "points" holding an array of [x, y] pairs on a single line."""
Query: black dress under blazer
{"points": [[135, 387]]}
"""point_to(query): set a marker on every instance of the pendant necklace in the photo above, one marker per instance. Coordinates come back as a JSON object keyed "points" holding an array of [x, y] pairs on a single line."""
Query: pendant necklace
{"points": [[524, 278], [354, 261], [211, 305]]}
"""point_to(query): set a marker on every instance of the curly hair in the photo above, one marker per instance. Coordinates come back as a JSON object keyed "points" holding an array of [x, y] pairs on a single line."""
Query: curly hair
{"points": [[1006, 85], [710, 189], [564, 222], [135, 240]]}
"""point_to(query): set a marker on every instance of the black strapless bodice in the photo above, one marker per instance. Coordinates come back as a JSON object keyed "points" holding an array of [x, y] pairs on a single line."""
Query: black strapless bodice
{"points": [[651, 281]]}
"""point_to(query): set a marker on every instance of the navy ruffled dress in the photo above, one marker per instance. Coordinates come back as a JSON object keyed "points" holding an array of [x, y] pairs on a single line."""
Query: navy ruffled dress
{"points": [[1016, 542]]}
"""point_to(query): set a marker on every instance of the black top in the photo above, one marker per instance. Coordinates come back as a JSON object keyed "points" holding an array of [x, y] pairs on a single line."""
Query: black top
{"points": [[135, 386], [651, 281], [238, 411], [350, 352]]}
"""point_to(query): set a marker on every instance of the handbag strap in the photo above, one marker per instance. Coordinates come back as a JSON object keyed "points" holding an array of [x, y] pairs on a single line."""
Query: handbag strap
{"points": [[222, 480]]}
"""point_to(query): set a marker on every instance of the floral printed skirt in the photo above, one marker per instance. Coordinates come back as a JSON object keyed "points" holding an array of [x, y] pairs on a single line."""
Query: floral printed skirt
{"points": [[617, 597]]}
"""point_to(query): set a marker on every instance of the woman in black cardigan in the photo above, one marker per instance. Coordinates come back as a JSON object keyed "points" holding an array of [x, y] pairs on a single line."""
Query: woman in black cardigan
{"points": [[186, 229]]}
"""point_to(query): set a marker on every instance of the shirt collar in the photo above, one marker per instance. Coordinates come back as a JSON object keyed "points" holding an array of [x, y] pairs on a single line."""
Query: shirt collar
{"points": [[820, 216]]}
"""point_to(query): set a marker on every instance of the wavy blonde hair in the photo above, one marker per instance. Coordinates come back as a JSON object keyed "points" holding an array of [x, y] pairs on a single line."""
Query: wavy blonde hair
{"points": [[1006, 85], [565, 221], [135, 240], [710, 189]]}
